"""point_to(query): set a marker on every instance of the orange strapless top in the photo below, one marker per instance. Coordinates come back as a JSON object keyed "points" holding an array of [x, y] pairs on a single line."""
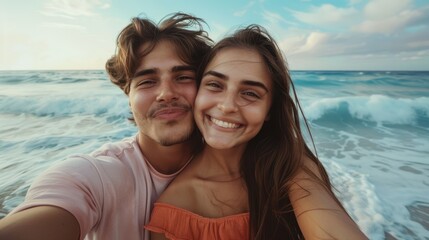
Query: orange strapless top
{"points": [[180, 224]]}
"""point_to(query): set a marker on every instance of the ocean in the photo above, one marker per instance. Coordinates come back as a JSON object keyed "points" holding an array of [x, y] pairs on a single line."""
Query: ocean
{"points": [[371, 131]]}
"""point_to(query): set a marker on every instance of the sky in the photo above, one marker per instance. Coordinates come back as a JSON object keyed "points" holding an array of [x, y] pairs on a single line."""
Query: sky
{"points": [[313, 35]]}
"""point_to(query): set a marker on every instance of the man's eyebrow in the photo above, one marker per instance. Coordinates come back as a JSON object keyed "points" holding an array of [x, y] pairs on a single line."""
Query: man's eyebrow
{"points": [[145, 72], [245, 82], [155, 70]]}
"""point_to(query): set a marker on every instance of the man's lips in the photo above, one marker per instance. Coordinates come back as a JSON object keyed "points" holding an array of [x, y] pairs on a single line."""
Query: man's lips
{"points": [[170, 113]]}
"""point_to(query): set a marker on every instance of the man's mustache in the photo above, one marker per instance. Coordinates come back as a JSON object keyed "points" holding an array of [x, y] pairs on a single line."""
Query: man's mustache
{"points": [[170, 106]]}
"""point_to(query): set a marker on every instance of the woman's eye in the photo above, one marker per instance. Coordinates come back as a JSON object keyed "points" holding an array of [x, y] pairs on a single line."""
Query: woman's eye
{"points": [[250, 95], [213, 85]]}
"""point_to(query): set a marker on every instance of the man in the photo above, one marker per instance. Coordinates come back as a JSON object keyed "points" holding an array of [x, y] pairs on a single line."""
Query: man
{"points": [[109, 194]]}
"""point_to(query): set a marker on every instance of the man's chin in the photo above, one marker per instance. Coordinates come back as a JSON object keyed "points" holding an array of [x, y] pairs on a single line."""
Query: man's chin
{"points": [[174, 139]]}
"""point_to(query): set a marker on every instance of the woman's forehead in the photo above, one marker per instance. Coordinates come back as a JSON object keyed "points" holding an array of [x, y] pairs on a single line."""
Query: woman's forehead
{"points": [[234, 56]]}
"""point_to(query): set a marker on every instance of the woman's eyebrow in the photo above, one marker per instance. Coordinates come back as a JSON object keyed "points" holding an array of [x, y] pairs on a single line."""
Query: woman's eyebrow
{"points": [[255, 83], [216, 74], [244, 82]]}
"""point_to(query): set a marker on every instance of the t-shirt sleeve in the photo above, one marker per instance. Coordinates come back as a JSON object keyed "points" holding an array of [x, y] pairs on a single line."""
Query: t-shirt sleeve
{"points": [[73, 185]]}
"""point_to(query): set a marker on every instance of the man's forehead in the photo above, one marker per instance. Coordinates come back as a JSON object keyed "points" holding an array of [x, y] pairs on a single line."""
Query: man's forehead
{"points": [[161, 55]]}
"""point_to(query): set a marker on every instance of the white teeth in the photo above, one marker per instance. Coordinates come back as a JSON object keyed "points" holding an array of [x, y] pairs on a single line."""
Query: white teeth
{"points": [[224, 124]]}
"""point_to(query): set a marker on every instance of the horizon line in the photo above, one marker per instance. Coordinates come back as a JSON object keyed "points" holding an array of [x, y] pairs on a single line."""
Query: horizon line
{"points": [[292, 70]]}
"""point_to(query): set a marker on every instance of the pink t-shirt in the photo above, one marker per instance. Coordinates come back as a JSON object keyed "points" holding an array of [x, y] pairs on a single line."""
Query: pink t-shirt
{"points": [[110, 192]]}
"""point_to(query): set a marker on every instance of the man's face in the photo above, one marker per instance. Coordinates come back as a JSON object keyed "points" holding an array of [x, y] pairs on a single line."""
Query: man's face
{"points": [[162, 95]]}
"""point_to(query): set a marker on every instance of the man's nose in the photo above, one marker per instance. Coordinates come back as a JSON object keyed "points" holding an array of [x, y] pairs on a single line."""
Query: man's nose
{"points": [[167, 91]]}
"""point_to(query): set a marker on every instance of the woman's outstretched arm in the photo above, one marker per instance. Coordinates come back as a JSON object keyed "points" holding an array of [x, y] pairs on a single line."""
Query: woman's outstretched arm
{"points": [[318, 213]]}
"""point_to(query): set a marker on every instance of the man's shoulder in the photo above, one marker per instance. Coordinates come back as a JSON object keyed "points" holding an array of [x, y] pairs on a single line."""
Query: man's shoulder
{"points": [[117, 148], [111, 163], [113, 154]]}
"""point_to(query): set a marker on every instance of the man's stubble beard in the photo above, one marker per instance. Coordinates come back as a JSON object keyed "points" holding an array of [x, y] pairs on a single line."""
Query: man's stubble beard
{"points": [[166, 142]]}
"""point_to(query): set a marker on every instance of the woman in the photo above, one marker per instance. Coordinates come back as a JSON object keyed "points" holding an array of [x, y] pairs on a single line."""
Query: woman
{"points": [[255, 178]]}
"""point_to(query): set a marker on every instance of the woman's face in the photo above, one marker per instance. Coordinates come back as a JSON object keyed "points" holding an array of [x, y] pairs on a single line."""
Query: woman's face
{"points": [[234, 98]]}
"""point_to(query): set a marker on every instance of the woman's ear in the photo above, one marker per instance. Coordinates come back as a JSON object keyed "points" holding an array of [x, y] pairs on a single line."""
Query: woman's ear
{"points": [[267, 118]]}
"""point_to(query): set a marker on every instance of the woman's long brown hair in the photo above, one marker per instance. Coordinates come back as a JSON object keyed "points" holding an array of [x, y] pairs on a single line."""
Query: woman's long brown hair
{"points": [[274, 156]]}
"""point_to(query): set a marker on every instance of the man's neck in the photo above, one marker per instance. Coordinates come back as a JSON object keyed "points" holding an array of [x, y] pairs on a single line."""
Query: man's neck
{"points": [[165, 159]]}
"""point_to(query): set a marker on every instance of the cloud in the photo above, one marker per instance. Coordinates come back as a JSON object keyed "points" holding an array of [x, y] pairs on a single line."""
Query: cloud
{"points": [[353, 2], [390, 24], [321, 44], [321, 50], [418, 44], [333, 32], [412, 46], [272, 17], [275, 18], [377, 16], [379, 9], [64, 26], [387, 17], [244, 10], [314, 40], [325, 14], [73, 8]]}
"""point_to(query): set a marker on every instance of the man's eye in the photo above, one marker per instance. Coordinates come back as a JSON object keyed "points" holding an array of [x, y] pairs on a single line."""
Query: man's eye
{"points": [[185, 78], [146, 83]]}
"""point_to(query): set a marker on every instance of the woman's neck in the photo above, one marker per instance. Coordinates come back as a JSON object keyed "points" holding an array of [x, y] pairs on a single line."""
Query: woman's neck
{"points": [[220, 163]]}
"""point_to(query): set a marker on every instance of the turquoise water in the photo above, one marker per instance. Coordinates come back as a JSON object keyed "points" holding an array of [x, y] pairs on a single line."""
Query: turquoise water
{"points": [[371, 131]]}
